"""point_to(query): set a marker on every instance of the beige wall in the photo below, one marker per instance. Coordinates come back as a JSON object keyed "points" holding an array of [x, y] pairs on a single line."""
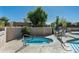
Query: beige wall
{"points": [[15, 32], [41, 30], [12, 33], [73, 28]]}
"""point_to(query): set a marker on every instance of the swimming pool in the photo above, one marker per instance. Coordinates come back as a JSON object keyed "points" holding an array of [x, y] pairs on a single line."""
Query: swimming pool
{"points": [[74, 44], [36, 40]]}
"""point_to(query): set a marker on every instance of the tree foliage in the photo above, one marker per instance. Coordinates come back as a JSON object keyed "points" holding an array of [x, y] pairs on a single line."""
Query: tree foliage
{"points": [[4, 19], [2, 23], [38, 17], [77, 24], [60, 22]]}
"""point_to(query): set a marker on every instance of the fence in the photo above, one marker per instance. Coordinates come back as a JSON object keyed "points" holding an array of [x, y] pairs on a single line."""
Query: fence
{"points": [[11, 33], [40, 31], [74, 28]]}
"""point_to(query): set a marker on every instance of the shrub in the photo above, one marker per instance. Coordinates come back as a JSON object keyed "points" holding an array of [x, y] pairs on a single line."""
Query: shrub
{"points": [[25, 30]]}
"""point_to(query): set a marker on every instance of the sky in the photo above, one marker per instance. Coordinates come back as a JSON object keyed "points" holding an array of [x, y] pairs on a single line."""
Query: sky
{"points": [[17, 13]]}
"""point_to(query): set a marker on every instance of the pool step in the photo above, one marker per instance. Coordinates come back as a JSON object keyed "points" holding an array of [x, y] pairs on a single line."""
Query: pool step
{"points": [[75, 47]]}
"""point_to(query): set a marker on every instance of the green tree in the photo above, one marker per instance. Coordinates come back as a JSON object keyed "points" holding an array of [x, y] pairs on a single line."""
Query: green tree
{"points": [[5, 19], [59, 22], [25, 30], [62, 22], [77, 24], [69, 24], [38, 17], [56, 23], [2, 23]]}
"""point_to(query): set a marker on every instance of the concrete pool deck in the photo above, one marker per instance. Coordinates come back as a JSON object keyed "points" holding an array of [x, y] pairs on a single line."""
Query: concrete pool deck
{"points": [[54, 47]]}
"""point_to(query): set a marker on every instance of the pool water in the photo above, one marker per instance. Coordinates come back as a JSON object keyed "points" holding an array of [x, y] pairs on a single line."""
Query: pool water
{"points": [[36, 40], [74, 43]]}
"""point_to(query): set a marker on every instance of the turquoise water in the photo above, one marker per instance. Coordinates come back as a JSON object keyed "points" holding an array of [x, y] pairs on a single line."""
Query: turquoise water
{"points": [[36, 40], [74, 43]]}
